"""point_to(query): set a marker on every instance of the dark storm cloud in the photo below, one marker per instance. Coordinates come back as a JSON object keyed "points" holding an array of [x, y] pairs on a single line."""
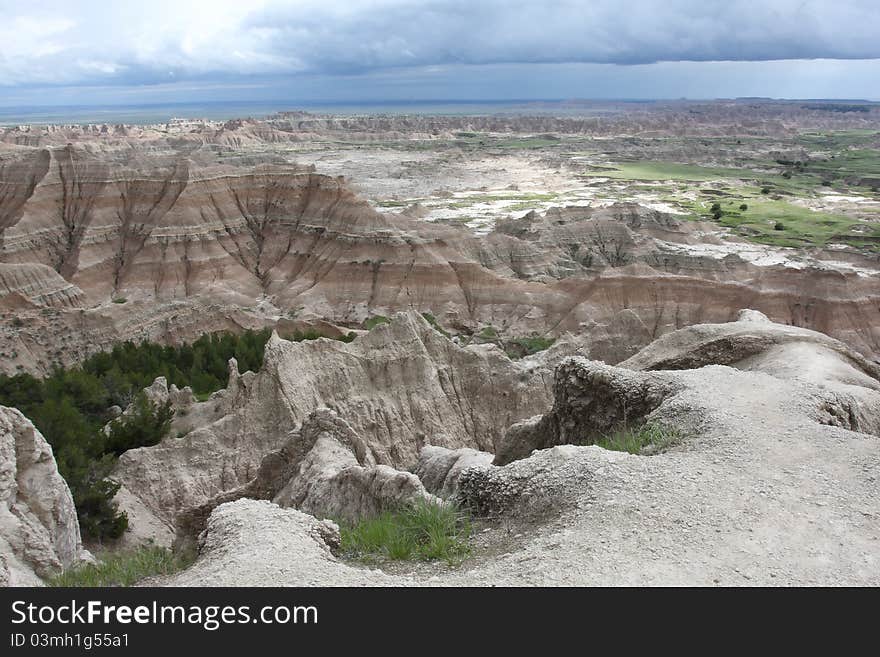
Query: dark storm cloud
{"points": [[55, 42], [389, 34]]}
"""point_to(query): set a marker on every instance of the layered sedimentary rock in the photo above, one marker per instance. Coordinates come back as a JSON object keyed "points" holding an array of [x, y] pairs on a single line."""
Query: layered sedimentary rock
{"points": [[183, 244], [598, 118], [38, 285], [39, 531]]}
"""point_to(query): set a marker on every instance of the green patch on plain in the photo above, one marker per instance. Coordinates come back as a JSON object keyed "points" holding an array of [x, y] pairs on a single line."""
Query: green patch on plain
{"points": [[519, 200], [780, 223], [394, 204]]}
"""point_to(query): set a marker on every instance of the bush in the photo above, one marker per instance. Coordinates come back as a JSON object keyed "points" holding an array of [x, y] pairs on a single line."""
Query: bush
{"points": [[300, 336], [743, 207], [423, 531], [123, 568], [145, 427], [92, 491]]}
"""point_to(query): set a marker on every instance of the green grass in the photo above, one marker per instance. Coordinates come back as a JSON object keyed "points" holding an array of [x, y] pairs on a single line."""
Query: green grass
{"points": [[435, 324], [423, 531], [854, 162], [836, 141], [120, 300], [123, 568], [372, 322], [521, 347], [390, 203], [635, 441], [779, 223]]}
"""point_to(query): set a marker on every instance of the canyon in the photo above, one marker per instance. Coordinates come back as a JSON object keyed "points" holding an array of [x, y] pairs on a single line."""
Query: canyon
{"points": [[730, 293], [125, 234]]}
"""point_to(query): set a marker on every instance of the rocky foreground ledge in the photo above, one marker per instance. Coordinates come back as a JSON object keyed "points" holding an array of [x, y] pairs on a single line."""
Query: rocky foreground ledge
{"points": [[774, 480], [774, 484]]}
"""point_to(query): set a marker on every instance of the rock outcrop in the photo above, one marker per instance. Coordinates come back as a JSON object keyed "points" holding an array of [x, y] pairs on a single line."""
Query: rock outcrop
{"points": [[591, 399], [440, 468], [338, 478], [256, 543], [771, 483], [39, 531], [324, 469], [398, 388]]}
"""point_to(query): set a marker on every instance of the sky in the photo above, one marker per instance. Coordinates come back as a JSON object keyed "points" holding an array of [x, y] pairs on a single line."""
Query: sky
{"points": [[81, 52]]}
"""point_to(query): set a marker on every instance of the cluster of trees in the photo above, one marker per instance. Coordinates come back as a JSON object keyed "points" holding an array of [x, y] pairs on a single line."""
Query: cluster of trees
{"points": [[70, 407], [202, 365]]}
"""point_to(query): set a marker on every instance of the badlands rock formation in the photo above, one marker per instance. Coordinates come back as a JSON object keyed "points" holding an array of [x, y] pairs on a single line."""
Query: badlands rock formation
{"points": [[324, 469], [593, 118], [774, 481], [185, 242], [39, 532], [591, 399], [398, 388]]}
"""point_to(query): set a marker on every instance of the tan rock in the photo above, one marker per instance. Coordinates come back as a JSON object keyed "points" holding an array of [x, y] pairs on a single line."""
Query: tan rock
{"points": [[39, 531]]}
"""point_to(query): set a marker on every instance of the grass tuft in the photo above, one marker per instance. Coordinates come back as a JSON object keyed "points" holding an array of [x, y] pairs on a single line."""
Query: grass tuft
{"points": [[422, 531], [123, 568], [647, 439]]}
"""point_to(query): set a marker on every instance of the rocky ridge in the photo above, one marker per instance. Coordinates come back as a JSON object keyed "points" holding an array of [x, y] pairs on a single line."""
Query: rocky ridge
{"points": [[398, 388], [770, 484]]}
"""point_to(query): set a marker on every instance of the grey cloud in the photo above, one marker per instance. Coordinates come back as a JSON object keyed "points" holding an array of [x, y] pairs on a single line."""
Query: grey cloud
{"points": [[399, 33], [55, 42]]}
